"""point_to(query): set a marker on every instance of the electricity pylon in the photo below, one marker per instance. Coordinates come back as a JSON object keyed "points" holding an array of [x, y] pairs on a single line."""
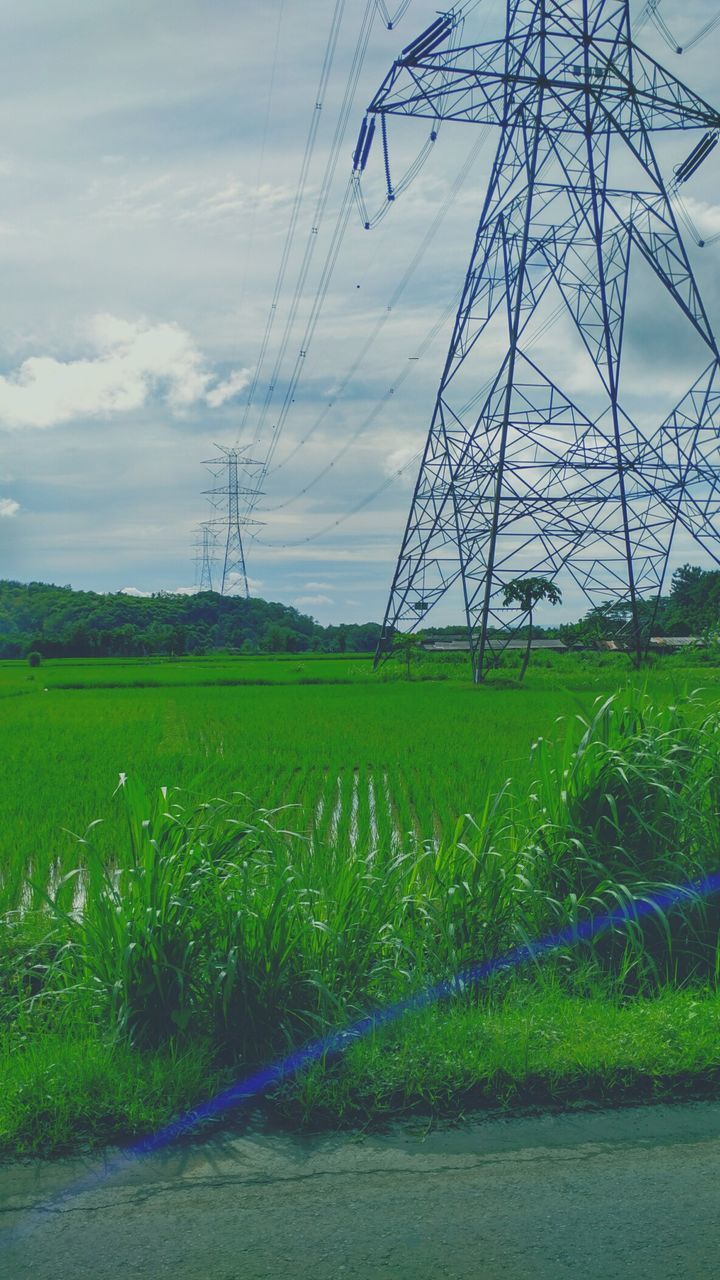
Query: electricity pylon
{"points": [[231, 464], [517, 477], [205, 555]]}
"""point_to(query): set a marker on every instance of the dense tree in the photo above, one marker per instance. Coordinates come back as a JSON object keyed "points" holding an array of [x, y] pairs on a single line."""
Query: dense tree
{"points": [[61, 623], [58, 622]]}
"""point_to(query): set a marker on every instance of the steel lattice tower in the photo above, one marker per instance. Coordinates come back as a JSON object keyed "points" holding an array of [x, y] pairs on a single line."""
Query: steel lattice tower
{"points": [[205, 555], [231, 464], [517, 478]]}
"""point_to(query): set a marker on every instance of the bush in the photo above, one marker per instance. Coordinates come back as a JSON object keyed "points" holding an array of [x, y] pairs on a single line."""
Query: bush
{"points": [[34, 658]]}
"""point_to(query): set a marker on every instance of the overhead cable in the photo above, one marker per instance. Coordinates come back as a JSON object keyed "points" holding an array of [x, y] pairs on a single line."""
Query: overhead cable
{"points": [[330, 169], [325, 70], [381, 321], [392, 21], [263, 146]]}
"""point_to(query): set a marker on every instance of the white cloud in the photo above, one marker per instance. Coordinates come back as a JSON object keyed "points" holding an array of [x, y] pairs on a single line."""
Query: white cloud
{"points": [[235, 584], [706, 215], [8, 508], [317, 586], [226, 390], [132, 362], [306, 601], [173, 198], [400, 457], [171, 591]]}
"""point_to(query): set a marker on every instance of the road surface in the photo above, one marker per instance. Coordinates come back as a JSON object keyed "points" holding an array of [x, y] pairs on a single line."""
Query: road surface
{"points": [[632, 1194]]}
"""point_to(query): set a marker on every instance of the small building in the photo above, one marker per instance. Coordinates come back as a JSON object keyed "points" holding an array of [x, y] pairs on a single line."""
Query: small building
{"points": [[452, 645], [676, 642], [667, 644]]}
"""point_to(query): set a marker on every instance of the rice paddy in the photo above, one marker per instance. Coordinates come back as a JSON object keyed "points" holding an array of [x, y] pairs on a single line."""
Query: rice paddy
{"points": [[351, 758], [296, 840]]}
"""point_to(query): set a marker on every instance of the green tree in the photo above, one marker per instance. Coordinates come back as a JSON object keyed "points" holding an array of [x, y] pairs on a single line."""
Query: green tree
{"points": [[527, 593], [34, 658], [409, 647]]}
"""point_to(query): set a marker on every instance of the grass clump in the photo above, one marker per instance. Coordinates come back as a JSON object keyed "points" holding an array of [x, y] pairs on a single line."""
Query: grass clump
{"points": [[81, 1086]]}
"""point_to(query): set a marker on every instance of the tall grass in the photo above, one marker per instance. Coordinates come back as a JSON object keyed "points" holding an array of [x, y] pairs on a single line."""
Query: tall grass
{"points": [[221, 923], [629, 810]]}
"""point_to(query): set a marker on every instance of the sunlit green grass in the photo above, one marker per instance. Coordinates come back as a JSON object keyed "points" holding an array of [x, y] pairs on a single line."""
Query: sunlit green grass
{"points": [[539, 1046]]}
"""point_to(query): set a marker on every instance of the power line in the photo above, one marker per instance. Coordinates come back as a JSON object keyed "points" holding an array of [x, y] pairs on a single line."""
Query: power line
{"points": [[392, 22], [334, 524], [263, 147], [651, 12], [373, 416], [341, 224], [457, 17], [382, 319], [702, 33], [325, 70]]}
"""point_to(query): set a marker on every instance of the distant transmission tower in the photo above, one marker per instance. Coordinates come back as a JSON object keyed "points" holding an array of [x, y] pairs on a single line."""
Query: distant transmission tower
{"points": [[517, 478], [205, 555], [229, 467]]}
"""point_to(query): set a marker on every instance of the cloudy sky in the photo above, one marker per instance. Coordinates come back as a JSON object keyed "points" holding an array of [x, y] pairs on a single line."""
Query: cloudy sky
{"points": [[150, 156]]}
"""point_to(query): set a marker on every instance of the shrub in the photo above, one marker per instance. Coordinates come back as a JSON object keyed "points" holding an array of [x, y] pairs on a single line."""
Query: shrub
{"points": [[34, 658]]}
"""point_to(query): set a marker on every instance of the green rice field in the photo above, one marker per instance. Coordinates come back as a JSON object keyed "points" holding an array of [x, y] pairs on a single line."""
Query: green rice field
{"points": [[298, 840], [356, 757]]}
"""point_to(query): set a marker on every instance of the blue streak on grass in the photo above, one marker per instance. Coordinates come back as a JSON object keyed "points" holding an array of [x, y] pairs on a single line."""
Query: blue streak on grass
{"points": [[337, 1042]]}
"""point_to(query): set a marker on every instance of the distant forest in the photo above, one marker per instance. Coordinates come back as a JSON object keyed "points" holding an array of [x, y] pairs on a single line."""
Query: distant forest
{"points": [[59, 622]]}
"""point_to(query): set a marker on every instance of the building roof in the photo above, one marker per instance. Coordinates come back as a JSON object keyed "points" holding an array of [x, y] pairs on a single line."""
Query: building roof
{"points": [[462, 646]]}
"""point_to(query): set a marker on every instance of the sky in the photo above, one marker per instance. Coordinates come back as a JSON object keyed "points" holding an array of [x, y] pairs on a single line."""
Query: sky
{"points": [[150, 158]]}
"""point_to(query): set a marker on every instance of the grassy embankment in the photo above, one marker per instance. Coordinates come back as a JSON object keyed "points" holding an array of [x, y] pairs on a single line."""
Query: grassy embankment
{"points": [[218, 936]]}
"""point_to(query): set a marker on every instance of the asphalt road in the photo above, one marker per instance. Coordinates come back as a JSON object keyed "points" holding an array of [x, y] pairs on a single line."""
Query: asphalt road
{"points": [[632, 1194]]}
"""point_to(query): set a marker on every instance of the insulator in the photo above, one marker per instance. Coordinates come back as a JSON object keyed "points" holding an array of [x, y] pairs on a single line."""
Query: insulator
{"points": [[427, 34], [360, 143], [428, 40], [707, 143], [436, 39], [368, 143]]}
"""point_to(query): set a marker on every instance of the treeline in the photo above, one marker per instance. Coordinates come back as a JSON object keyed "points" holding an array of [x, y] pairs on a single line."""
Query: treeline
{"points": [[691, 608], [59, 622]]}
